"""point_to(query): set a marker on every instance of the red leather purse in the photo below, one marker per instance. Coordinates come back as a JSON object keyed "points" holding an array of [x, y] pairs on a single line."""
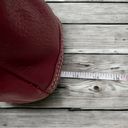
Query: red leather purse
{"points": [[31, 50]]}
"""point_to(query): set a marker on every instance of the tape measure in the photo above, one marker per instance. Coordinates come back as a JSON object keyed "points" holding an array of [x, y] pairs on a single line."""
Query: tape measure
{"points": [[94, 76]]}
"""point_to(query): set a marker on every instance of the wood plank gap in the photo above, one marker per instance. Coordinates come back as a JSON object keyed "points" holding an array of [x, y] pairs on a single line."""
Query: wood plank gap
{"points": [[79, 109], [68, 109], [86, 1], [97, 53], [95, 23]]}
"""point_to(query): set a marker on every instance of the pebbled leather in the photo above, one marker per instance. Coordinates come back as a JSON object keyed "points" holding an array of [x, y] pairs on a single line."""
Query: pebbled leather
{"points": [[30, 48]]}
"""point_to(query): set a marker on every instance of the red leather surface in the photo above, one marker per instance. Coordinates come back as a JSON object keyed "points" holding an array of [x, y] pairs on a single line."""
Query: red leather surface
{"points": [[29, 49]]}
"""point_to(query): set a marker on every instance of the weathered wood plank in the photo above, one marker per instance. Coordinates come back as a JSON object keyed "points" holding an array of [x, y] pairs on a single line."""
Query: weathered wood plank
{"points": [[33, 118], [88, 94], [96, 38], [91, 13]]}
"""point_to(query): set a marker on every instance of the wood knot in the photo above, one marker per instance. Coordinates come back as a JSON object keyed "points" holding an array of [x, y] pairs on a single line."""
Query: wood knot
{"points": [[4, 124], [96, 88]]}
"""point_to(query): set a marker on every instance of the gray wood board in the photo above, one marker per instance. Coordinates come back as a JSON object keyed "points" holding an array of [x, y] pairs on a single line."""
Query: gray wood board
{"points": [[74, 93], [96, 39], [38, 118], [91, 13]]}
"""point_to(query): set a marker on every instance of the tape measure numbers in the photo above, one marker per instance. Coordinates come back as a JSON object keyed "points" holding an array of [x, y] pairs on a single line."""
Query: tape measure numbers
{"points": [[94, 75]]}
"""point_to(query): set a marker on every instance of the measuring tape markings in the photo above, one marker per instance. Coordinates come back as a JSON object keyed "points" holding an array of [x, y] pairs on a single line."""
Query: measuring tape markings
{"points": [[94, 75]]}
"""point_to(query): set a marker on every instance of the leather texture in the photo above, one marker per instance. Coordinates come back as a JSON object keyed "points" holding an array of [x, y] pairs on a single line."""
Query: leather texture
{"points": [[30, 50]]}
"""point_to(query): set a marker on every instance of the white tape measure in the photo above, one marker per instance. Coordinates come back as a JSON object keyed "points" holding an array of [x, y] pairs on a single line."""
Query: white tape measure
{"points": [[94, 76]]}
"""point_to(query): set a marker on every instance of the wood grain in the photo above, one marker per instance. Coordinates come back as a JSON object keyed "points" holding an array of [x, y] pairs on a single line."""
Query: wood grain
{"points": [[96, 39], [91, 13], [39, 118], [90, 27], [88, 94]]}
